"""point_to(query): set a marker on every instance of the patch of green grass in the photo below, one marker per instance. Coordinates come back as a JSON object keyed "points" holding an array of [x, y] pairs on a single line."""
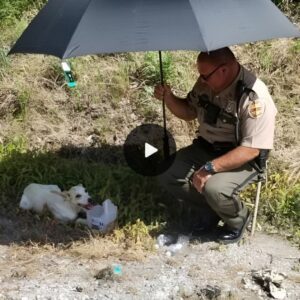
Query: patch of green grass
{"points": [[10, 10], [18, 144], [146, 106], [281, 200], [23, 99], [295, 48], [266, 57], [137, 197], [118, 84], [137, 233], [149, 71], [4, 62], [279, 203]]}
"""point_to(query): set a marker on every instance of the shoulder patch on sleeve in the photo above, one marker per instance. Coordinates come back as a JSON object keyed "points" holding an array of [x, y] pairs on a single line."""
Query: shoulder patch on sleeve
{"points": [[256, 108]]}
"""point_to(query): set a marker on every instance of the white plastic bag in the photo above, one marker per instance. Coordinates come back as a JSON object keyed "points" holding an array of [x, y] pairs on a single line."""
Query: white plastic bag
{"points": [[102, 217]]}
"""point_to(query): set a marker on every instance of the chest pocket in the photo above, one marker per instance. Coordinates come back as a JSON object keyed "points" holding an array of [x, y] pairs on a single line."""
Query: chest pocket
{"points": [[227, 118], [213, 113]]}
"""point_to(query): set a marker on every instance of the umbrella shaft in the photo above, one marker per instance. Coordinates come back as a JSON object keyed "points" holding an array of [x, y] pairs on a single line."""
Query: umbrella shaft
{"points": [[161, 68], [162, 82], [166, 139]]}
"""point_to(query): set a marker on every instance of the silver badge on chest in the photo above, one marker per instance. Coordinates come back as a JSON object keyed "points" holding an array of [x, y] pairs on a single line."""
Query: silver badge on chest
{"points": [[230, 106]]}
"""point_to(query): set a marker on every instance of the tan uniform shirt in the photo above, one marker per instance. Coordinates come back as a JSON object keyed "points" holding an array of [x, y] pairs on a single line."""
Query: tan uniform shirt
{"points": [[256, 116]]}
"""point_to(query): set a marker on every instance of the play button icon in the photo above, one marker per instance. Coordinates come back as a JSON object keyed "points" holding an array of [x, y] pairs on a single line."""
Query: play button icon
{"points": [[149, 150]]}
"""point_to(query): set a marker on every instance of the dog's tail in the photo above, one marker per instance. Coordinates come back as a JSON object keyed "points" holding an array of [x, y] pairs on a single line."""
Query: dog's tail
{"points": [[25, 203]]}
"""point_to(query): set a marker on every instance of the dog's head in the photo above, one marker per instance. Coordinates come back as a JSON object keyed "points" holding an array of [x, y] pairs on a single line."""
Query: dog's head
{"points": [[78, 195]]}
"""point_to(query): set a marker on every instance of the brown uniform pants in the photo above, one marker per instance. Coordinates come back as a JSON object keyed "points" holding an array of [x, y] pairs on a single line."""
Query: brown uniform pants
{"points": [[220, 197]]}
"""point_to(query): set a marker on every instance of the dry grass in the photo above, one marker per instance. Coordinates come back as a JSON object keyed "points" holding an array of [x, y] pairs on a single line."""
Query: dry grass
{"points": [[110, 99], [113, 97], [131, 243], [107, 248], [275, 62]]}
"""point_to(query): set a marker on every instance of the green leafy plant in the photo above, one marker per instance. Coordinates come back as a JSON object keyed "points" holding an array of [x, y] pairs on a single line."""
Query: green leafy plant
{"points": [[23, 99], [295, 48], [150, 69], [279, 203], [14, 9], [265, 57], [4, 62]]}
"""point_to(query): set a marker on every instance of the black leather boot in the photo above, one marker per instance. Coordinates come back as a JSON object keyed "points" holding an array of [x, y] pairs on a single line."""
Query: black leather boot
{"points": [[228, 236]]}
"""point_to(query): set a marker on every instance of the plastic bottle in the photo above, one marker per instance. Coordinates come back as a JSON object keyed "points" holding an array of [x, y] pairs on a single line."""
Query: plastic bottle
{"points": [[164, 239], [68, 74], [182, 241]]}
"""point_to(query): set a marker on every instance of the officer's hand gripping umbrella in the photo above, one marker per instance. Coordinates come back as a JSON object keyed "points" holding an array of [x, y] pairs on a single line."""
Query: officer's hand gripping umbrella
{"points": [[69, 28]]}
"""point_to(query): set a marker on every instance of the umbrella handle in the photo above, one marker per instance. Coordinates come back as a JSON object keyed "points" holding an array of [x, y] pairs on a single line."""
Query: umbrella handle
{"points": [[166, 139]]}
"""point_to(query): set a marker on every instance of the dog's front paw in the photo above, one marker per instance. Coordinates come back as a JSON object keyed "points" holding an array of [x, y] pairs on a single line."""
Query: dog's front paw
{"points": [[82, 221]]}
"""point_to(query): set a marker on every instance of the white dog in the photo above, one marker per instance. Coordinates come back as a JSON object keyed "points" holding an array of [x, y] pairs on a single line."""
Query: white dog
{"points": [[65, 206]]}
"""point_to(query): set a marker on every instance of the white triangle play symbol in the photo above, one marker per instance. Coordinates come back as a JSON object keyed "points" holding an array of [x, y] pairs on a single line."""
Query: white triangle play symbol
{"points": [[149, 150]]}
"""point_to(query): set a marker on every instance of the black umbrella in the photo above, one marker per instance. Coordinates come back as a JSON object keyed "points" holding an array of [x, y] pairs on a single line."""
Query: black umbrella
{"points": [[68, 28]]}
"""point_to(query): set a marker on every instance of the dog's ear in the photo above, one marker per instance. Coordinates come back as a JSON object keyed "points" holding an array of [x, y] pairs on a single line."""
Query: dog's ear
{"points": [[64, 194], [58, 193]]}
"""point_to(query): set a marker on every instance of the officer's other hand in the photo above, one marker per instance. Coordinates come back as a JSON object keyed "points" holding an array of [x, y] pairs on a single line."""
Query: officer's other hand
{"points": [[199, 179], [161, 91]]}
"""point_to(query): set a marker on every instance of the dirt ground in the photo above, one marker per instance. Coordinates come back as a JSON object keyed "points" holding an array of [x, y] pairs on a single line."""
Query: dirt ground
{"points": [[39, 259], [203, 269]]}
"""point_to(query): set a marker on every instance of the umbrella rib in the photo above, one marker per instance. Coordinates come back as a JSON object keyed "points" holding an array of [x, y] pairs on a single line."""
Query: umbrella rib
{"points": [[74, 48], [193, 6]]}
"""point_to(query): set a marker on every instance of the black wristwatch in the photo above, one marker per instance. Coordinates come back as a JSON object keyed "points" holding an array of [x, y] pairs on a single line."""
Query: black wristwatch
{"points": [[210, 168]]}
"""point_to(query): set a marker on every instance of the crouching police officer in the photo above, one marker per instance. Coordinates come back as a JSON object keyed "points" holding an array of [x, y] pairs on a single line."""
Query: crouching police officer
{"points": [[236, 116]]}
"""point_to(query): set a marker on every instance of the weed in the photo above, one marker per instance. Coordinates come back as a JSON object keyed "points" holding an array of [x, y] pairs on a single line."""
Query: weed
{"points": [[18, 144], [4, 62], [10, 10], [137, 233], [291, 7], [53, 76], [279, 202], [118, 84], [149, 72], [265, 57], [146, 106], [295, 47], [23, 99]]}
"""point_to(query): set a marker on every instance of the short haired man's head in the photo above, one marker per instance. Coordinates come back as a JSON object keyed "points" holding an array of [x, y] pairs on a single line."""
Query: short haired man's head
{"points": [[217, 68], [219, 56]]}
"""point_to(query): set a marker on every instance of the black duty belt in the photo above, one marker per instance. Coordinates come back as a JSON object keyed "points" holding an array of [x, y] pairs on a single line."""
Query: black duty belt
{"points": [[216, 147]]}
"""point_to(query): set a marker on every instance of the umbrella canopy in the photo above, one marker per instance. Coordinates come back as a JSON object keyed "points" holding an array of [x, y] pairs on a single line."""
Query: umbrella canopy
{"points": [[68, 28]]}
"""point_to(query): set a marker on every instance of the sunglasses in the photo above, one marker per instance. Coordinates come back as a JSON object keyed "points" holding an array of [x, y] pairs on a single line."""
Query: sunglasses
{"points": [[206, 77]]}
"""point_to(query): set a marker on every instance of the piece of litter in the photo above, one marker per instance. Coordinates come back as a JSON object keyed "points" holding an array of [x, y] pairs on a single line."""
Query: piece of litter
{"points": [[165, 239], [277, 293], [117, 269]]}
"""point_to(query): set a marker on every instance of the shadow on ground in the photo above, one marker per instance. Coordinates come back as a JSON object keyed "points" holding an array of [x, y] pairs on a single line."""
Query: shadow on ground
{"points": [[104, 173]]}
